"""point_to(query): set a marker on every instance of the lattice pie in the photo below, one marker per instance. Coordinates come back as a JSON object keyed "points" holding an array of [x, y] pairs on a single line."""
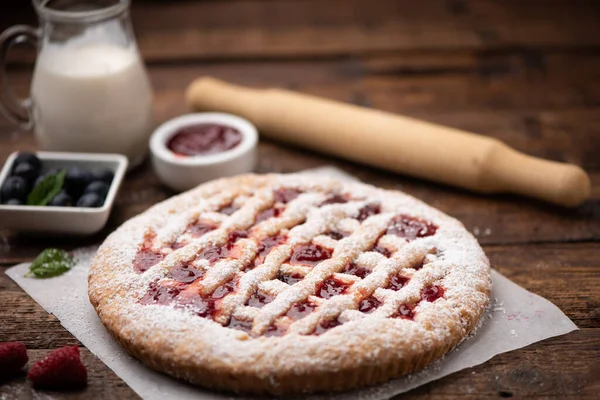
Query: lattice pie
{"points": [[287, 284]]}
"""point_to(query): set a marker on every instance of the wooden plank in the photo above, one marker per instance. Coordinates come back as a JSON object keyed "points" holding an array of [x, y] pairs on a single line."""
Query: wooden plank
{"points": [[103, 383], [566, 274], [541, 370], [312, 28]]}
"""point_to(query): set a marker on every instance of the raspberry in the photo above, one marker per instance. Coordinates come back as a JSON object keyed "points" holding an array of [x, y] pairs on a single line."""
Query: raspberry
{"points": [[13, 356], [61, 369]]}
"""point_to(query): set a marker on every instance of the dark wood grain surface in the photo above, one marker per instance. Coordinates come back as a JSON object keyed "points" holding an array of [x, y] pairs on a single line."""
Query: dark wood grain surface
{"points": [[527, 72]]}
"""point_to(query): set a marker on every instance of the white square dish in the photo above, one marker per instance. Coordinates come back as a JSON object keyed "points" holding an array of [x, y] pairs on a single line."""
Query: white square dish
{"points": [[64, 220]]}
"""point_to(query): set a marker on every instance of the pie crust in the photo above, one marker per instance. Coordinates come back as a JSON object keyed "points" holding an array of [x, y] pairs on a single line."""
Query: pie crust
{"points": [[287, 284]]}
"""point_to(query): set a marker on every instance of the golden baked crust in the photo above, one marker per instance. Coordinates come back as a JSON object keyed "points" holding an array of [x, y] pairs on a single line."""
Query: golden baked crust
{"points": [[353, 285]]}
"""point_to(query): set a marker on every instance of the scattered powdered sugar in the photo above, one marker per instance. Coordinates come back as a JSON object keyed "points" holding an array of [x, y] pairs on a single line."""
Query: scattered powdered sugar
{"points": [[477, 231], [83, 256], [498, 306]]}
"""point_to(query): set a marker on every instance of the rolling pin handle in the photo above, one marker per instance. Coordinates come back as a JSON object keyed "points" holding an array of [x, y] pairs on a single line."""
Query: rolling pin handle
{"points": [[511, 171]]}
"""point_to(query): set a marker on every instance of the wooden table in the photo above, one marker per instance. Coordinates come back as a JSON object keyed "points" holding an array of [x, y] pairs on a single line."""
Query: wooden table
{"points": [[527, 72]]}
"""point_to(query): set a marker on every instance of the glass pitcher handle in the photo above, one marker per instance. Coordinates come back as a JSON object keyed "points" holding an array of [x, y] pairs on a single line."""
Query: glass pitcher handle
{"points": [[16, 110]]}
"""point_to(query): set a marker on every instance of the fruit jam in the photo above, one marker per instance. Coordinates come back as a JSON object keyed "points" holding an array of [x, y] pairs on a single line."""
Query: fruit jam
{"points": [[410, 228], [310, 254], [203, 139]]}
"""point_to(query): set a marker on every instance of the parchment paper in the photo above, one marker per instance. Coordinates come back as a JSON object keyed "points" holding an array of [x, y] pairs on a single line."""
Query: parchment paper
{"points": [[514, 319]]}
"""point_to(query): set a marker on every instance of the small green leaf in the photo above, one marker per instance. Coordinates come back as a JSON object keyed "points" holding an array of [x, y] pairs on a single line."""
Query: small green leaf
{"points": [[49, 263], [44, 191]]}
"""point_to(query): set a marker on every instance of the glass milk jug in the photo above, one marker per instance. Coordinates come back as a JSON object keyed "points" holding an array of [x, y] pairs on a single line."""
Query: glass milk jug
{"points": [[90, 90]]}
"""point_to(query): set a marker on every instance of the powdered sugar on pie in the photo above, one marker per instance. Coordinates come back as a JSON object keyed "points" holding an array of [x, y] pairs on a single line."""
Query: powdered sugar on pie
{"points": [[285, 284]]}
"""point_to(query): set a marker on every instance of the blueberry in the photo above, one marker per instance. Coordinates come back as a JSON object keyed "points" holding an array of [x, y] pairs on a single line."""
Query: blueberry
{"points": [[104, 175], [98, 187], [52, 171], [26, 170], [76, 179], [14, 187], [90, 200], [14, 202], [28, 158], [62, 199], [40, 178]]}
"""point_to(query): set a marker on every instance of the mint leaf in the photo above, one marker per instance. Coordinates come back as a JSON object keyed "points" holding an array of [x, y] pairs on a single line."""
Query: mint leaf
{"points": [[49, 263], [44, 191]]}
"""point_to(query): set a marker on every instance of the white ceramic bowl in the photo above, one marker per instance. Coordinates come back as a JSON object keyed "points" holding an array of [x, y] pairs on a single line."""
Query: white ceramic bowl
{"points": [[183, 173], [64, 220]]}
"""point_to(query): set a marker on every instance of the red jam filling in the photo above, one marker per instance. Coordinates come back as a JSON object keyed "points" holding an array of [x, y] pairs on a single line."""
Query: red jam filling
{"points": [[335, 199], [158, 294], [410, 227], [275, 330], [309, 254], [289, 279], [326, 325], [369, 305], [285, 195], [272, 212], [178, 245], [241, 325], [234, 236], [266, 245], [367, 211], [146, 258], [405, 311], [185, 273], [397, 282], [300, 310], [353, 269], [214, 253], [200, 228], [382, 250], [432, 293], [331, 287], [259, 299], [204, 139], [224, 289], [336, 235], [228, 209]]}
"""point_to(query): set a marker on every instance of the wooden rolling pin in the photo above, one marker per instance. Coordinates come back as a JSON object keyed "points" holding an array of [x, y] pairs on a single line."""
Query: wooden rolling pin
{"points": [[394, 142]]}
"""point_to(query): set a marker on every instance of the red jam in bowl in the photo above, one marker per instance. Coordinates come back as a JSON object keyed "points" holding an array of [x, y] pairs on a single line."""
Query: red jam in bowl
{"points": [[204, 139]]}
